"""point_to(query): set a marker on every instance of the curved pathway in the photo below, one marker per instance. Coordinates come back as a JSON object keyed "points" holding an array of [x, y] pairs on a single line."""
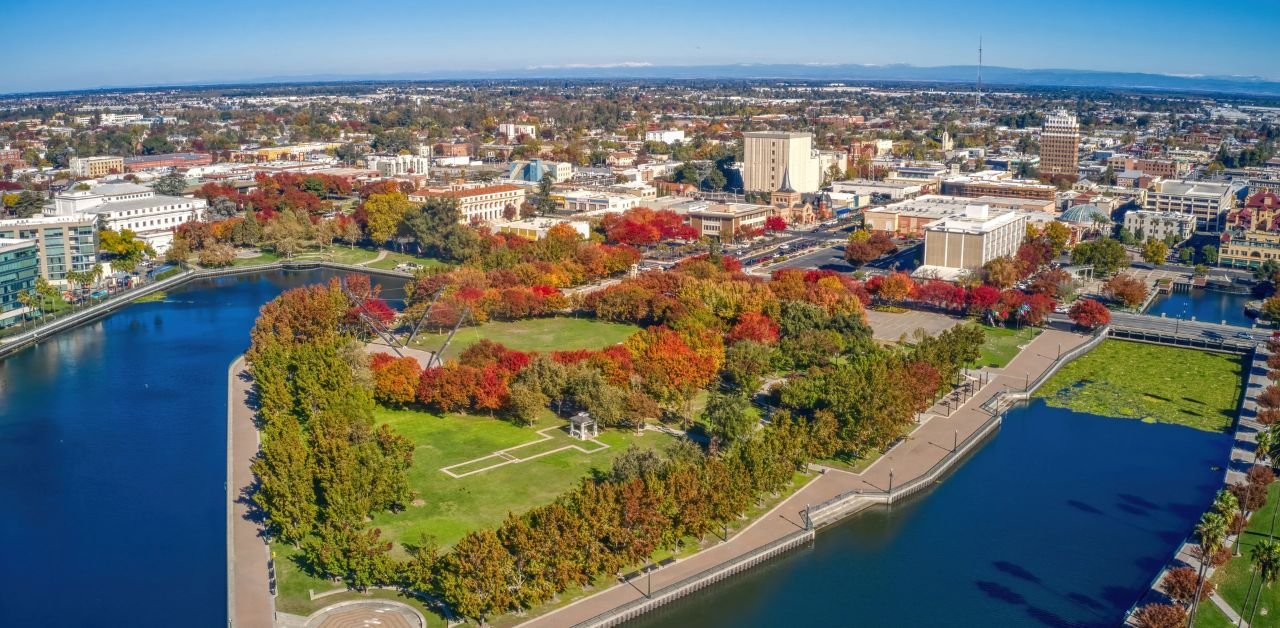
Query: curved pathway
{"points": [[249, 600], [911, 458]]}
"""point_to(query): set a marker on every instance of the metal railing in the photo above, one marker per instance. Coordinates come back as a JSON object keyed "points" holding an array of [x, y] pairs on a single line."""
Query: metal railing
{"points": [[696, 582]]}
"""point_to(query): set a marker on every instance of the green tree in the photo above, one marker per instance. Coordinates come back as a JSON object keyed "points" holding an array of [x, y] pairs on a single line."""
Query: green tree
{"points": [[745, 363], [1211, 534], [524, 402], [171, 184], [1104, 254], [247, 232], [285, 475], [1186, 255], [729, 418], [1209, 254], [1266, 559], [544, 204]]}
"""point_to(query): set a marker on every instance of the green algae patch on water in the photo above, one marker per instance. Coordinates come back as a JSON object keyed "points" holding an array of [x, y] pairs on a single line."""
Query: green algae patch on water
{"points": [[1151, 383]]}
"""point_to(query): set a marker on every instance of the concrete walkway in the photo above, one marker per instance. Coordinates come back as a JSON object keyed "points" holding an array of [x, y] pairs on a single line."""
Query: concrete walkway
{"points": [[914, 456], [249, 600], [382, 254]]}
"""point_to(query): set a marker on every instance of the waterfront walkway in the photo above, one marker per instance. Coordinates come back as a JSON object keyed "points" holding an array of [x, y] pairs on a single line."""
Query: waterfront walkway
{"points": [[911, 458], [249, 600], [1242, 458]]}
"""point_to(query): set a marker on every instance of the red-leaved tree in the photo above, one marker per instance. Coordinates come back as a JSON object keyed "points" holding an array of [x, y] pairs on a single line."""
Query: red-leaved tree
{"points": [[1089, 313]]}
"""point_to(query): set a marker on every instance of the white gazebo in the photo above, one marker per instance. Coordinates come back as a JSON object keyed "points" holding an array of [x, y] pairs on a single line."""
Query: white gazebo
{"points": [[582, 426]]}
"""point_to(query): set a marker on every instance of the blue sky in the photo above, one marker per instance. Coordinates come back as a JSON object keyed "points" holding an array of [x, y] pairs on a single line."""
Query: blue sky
{"points": [[69, 44]]}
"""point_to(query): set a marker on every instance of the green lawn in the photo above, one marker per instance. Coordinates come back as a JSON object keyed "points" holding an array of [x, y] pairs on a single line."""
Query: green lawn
{"points": [[451, 507], [1233, 578], [1152, 383], [534, 334], [266, 257], [1210, 616], [1002, 344], [448, 507]]}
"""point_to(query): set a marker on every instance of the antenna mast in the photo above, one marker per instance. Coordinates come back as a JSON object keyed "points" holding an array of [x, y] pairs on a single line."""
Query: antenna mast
{"points": [[979, 71]]}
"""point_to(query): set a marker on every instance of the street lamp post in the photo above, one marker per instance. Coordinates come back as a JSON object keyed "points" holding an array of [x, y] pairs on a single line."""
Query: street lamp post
{"points": [[955, 441], [890, 481]]}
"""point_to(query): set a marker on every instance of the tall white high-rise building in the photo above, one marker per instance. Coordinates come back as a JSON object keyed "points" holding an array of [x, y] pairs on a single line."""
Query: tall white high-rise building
{"points": [[770, 157]]}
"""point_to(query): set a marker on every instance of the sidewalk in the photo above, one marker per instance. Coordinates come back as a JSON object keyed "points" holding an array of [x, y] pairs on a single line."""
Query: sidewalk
{"points": [[249, 600], [913, 457]]}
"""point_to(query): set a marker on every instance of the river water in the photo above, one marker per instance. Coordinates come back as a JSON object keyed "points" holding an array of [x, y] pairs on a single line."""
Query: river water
{"points": [[1210, 306], [1061, 519], [113, 461]]}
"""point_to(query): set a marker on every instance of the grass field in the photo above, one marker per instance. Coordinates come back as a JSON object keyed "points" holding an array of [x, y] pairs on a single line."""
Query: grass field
{"points": [[266, 257], [450, 507], [1209, 616], [1152, 383], [534, 334], [1002, 344], [454, 506], [1233, 578]]}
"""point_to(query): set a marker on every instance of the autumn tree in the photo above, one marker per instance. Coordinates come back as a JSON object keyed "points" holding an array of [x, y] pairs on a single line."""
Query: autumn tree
{"points": [[1126, 289], [395, 379], [1001, 272], [1155, 251], [1089, 313], [896, 287], [384, 214], [1160, 616]]}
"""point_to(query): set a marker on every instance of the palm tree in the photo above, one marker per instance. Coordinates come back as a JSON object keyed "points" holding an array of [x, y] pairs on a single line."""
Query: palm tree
{"points": [[28, 299], [1266, 558], [1211, 533], [1265, 441]]}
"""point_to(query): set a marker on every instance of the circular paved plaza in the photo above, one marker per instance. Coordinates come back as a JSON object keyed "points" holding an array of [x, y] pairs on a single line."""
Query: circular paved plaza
{"points": [[367, 614]]}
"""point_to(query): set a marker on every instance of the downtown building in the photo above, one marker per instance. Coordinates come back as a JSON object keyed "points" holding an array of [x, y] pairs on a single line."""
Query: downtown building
{"points": [[94, 167], [1060, 145], [963, 243], [480, 204], [19, 268], [770, 157], [117, 206], [1206, 202]]}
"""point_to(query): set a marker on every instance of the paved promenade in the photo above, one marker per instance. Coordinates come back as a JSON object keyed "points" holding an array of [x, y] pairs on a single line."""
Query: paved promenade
{"points": [[249, 600], [924, 448]]}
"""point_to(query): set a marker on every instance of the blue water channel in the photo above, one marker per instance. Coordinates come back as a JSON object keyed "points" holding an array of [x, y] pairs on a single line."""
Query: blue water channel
{"points": [[112, 471], [1210, 306], [113, 462], [1062, 519]]}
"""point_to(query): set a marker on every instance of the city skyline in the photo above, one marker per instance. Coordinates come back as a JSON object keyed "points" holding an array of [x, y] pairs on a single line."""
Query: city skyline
{"points": [[291, 41]]}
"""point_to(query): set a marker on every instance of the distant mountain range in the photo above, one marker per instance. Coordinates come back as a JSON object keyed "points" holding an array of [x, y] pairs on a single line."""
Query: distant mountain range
{"points": [[993, 76]]}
